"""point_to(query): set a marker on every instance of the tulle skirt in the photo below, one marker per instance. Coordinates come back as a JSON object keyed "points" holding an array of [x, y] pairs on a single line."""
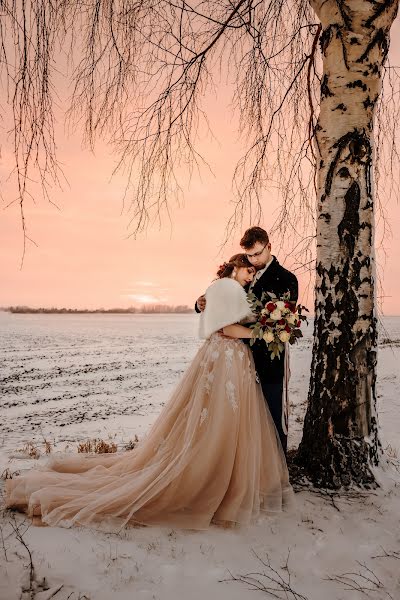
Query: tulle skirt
{"points": [[212, 456]]}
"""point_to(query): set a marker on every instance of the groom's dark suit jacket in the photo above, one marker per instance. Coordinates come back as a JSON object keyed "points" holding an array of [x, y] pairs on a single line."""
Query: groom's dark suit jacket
{"points": [[278, 280]]}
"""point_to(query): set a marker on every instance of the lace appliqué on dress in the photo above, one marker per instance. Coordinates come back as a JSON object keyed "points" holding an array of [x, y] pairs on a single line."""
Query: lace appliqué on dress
{"points": [[203, 416], [214, 354], [229, 357], [231, 394], [208, 383]]}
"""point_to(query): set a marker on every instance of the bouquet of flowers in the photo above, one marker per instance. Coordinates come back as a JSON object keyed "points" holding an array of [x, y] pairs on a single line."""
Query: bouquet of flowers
{"points": [[278, 321]]}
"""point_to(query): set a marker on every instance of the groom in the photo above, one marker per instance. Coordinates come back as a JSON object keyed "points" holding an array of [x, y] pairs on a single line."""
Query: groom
{"points": [[270, 277]]}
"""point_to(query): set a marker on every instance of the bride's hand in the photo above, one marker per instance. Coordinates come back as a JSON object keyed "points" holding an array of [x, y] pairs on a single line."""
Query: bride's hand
{"points": [[222, 334]]}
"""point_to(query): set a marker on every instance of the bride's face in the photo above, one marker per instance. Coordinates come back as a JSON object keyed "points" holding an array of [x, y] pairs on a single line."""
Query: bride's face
{"points": [[244, 275]]}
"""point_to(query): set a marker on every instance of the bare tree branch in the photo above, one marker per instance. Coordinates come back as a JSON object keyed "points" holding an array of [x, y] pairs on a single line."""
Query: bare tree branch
{"points": [[140, 72]]}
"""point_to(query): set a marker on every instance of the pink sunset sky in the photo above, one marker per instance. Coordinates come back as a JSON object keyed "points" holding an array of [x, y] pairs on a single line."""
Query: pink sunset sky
{"points": [[85, 258]]}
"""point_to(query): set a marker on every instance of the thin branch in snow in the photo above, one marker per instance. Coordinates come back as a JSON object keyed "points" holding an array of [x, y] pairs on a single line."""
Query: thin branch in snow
{"points": [[30, 585], [393, 554], [270, 580], [3, 544], [363, 581], [19, 535]]}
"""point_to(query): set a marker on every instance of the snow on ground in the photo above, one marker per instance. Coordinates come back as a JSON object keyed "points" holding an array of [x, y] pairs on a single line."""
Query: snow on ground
{"points": [[71, 377]]}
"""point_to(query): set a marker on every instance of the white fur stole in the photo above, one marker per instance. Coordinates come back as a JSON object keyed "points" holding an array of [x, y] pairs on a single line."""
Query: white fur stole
{"points": [[226, 304]]}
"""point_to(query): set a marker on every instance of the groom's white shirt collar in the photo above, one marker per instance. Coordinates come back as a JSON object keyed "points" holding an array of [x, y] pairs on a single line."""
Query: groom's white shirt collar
{"points": [[260, 273]]}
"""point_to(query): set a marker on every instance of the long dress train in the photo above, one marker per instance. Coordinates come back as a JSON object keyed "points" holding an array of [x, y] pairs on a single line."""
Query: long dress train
{"points": [[213, 455]]}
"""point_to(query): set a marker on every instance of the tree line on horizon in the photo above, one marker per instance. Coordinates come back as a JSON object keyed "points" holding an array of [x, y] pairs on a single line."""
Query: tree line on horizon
{"points": [[145, 309]]}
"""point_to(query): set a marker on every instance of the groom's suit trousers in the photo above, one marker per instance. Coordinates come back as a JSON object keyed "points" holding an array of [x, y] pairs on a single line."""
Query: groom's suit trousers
{"points": [[273, 394]]}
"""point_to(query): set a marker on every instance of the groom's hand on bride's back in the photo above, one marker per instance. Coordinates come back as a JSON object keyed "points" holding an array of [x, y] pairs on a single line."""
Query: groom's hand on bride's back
{"points": [[200, 304]]}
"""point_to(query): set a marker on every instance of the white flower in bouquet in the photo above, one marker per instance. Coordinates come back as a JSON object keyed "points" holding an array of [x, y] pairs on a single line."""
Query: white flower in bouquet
{"points": [[268, 336], [284, 336], [276, 315], [292, 319], [280, 305]]}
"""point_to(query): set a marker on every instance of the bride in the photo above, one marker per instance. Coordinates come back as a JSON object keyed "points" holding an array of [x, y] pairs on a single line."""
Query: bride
{"points": [[212, 456]]}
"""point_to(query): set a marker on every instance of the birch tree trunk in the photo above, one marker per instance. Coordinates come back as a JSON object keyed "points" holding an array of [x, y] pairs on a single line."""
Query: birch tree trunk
{"points": [[340, 442]]}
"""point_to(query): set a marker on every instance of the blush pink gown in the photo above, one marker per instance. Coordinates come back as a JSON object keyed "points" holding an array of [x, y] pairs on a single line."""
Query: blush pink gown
{"points": [[212, 456]]}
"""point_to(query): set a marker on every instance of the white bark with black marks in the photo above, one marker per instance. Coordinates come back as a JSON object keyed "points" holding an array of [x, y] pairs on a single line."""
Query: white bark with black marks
{"points": [[340, 440]]}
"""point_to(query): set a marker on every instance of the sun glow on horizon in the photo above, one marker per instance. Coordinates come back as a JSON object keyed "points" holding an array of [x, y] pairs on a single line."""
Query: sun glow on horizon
{"points": [[146, 298]]}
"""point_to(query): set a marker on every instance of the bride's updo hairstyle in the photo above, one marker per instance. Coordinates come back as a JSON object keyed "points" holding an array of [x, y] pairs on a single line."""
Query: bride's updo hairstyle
{"points": [[238, 261]]}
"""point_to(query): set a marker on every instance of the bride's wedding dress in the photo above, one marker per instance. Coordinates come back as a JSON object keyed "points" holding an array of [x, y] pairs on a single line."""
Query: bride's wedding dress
{"points": [[212, 456]]}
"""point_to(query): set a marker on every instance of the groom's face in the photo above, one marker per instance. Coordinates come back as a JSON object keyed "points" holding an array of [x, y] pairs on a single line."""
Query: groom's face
{"points": [[259, 254]]}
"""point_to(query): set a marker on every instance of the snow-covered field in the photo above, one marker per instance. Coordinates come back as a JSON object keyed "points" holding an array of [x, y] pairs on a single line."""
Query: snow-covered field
{"points": [[67, 378]]}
